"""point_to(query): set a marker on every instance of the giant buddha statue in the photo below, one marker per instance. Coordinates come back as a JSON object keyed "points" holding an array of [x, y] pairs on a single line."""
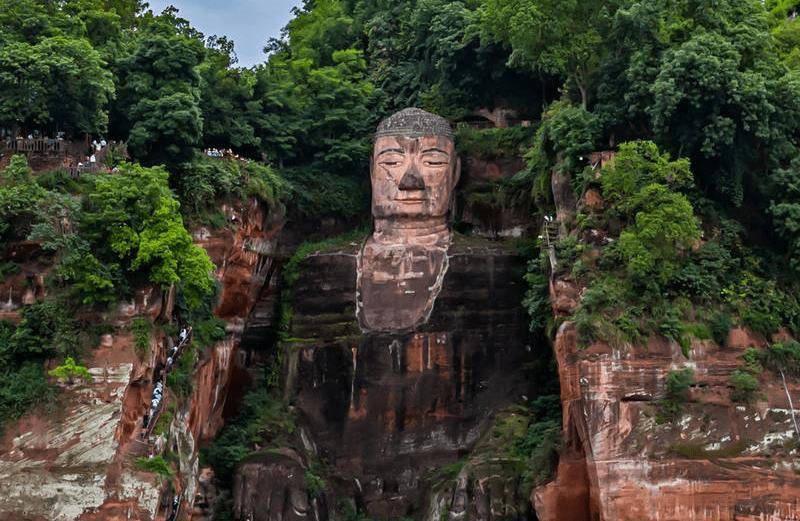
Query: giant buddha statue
{"points": [[402, 346], [402, 265]]}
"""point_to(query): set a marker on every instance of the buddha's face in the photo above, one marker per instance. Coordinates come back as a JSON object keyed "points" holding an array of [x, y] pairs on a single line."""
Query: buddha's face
{"points": [[413, 177]]}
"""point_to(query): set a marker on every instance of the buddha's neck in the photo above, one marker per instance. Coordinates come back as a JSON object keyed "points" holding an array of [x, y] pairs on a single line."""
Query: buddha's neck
{"points": [[430, 231]]}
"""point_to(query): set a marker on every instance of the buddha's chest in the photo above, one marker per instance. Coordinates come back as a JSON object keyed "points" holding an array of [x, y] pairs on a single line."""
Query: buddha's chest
{"points": [[397, 286]]}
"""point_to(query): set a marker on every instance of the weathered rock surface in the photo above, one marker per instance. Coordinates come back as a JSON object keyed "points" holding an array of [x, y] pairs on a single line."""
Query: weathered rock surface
{"points": [[64, 466], [385, 409], [243, 254], [720, 461], [78, 464], [273, 486]]}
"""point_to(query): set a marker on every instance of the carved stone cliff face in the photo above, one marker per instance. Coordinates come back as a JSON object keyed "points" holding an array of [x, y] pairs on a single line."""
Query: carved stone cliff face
{"points": [[385, 408], [719, 462]]}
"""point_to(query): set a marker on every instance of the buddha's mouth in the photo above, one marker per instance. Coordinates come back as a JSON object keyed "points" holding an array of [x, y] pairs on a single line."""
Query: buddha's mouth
{"points": [[411, 200], [411, 197]]}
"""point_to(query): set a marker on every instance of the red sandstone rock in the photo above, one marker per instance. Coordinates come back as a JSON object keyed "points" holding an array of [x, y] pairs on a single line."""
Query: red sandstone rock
{"points": [[593, 200], [620, 465], [740, 338]]}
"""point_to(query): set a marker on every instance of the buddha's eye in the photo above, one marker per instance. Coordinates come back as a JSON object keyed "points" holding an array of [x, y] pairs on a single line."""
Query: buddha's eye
{"points": [[435, 163], [390, 163]]}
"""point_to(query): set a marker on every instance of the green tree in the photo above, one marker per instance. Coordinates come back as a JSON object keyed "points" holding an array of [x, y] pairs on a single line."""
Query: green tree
{"points": [[51, 75], [785, 27], [227, 99], [20, 197], [638, 164], [566, 136], [562, 37], [320, 111], [430, 54], [640, 182], [785, 208], [132, 218], [159, 93], [703, 80]]}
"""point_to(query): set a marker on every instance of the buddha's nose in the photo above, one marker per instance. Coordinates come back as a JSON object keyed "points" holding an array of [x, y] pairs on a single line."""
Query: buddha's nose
{"points": [[412, 180]]}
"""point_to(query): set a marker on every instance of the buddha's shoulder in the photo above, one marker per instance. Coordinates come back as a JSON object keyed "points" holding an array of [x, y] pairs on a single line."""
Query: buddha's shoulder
{"points": [[347, 247], [325, 261], [476, 246]]}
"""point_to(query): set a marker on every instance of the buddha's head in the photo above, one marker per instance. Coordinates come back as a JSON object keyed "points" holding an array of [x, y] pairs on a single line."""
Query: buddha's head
{"points": [[414, 167]]}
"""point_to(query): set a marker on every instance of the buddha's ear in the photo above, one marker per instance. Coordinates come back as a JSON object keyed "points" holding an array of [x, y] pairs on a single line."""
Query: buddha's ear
{"points": [[457, 171]]}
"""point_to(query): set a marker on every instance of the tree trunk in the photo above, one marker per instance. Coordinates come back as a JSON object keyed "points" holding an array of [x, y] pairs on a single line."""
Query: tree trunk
{"points": [[563, 197], [581, 80], [791, 405]]}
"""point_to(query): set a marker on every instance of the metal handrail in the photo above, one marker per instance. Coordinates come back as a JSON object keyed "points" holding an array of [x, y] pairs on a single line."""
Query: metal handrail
{"points": [[550, 232]]}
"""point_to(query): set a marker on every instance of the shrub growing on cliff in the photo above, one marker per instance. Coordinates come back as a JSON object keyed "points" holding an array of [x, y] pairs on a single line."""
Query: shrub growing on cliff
{"points": [[565, 138], [783, 356], [141, 328], [156, 465], [541, 443], [720, 324], [762, 304], [537, 296], [180, 379], [207, 332], [69, 371], [744, 386], [46, 329], [263, 419], [22, 386], [315, 483], [205, 180], [678, 383]]}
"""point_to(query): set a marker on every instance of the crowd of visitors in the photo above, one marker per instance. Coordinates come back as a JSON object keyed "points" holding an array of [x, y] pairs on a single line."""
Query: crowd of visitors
{"points": [[160, 376], [221, 153]]}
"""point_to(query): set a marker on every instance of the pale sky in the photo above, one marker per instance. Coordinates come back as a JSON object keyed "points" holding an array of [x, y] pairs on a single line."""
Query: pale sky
{"points": [[249, 23]]}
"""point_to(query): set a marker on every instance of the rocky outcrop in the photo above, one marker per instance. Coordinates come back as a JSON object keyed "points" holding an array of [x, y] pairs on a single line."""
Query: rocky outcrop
{"points": [[244, 255], [719, 461], [25, 284], [273, 486], [66, 465]]}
